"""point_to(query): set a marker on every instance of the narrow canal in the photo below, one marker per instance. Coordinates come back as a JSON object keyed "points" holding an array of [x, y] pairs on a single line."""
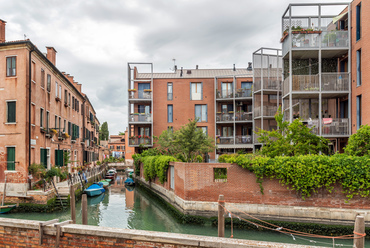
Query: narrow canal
{"points": [[134, 209]]}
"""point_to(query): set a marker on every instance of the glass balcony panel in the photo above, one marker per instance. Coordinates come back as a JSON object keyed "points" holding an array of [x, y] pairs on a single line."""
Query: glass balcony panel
{"points": [[141, 94], [243, 116], [243, 93], [140, 117], [243, 139], [335, 38], [305, 40]]}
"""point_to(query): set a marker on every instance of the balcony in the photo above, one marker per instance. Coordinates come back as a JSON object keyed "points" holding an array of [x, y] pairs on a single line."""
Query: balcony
{"points": [[225, 140], [243, 139], [268, 84], [224, 94], [140, 95], [243, 116], [268, 111], [242, 93], [140, 117], [332, 82], [140, 140], [335, 126]]}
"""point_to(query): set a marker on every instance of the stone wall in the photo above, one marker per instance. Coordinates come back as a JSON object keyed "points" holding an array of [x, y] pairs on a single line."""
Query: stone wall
{"points": [[25, 233]]}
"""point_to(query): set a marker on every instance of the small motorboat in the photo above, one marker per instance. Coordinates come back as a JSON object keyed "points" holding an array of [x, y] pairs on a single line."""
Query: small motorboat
{"points": [[129, 182], [95, 189], [105, 183], [111, 174], [7, 208]]}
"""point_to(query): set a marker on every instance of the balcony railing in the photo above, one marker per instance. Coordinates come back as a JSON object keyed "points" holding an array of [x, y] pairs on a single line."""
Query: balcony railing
{"points": [[140, 117], [335, 81], [336, 38], [243, 116], [239, 116], [268, 84], [140, 140], [268, 111], [224, 116], [243, 139], [329, 82], [243, 93], [141, 94], [225, 140], [224, 94], [335, 126]]}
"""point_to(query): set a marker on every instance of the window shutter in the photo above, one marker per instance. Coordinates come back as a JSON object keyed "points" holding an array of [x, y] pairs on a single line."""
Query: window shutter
{"points": [[43, 157], [10, 158], [11, 111]]}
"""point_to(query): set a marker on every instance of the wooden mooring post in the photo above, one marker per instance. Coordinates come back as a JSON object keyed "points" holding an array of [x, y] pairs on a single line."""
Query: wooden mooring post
{"points": [[221, 217], [359, 232], [84, 209], [72, 200]]}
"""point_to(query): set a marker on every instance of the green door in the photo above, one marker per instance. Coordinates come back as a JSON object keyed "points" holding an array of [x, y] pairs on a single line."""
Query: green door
{"points": [[11, 158], [59, 157], [43, 157]]}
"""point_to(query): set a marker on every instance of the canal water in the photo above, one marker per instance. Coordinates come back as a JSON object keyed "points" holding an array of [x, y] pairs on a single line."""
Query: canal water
{"points": [[133, 208]]}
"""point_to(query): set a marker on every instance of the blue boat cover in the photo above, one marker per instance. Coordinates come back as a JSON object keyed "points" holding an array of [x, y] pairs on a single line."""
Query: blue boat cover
{"points": [[97, 186], [129, 180]]}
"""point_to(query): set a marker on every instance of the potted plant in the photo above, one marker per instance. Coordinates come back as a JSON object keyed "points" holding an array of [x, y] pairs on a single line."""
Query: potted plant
{"points": [[54, 131]]}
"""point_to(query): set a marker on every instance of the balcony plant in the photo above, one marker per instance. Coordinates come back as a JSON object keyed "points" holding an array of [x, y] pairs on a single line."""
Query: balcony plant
{"points": [[131, 90], [148, 90], [299, 30], [54, 131]]}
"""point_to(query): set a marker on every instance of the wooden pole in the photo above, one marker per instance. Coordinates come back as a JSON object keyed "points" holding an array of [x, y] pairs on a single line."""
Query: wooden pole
{"points": [[4, 192], [221, 218], [84, 209], [72, 203], [359, 231]]}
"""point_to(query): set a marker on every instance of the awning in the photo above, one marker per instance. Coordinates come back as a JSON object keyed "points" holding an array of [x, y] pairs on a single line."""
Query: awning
{"points": [[337, 18], [236, 146]]}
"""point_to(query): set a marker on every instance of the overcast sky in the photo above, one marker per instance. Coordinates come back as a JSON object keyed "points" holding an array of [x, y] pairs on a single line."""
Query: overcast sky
{"points": [[95, 39]]}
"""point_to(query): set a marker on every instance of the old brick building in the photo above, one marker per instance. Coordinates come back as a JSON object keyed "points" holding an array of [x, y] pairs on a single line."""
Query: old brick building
{"points": [[43, 113]]}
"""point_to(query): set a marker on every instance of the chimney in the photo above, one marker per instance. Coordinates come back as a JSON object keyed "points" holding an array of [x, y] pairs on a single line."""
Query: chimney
{"points": [[234, 69], [249, 66], [181, 72], [175, 68], [2, 31], [196, 67], [51, 54]]}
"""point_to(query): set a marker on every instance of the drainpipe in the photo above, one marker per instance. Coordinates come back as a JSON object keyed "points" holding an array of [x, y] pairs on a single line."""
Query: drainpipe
{"points": [[83, 130], [29, 105]]}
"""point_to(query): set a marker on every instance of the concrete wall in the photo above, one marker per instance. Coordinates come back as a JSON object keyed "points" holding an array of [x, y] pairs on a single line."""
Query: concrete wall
{"points": [[196, 193], [22, 233]]}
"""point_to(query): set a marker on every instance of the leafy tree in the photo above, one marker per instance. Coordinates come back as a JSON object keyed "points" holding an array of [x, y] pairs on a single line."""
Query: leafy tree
{"points": [[186, 143], [121, 133], [104, 132], [359, 142], [291, 139]]}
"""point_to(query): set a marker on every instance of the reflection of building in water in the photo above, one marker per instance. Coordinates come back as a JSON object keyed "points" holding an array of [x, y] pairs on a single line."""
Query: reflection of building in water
{"points": [[129, 199]]}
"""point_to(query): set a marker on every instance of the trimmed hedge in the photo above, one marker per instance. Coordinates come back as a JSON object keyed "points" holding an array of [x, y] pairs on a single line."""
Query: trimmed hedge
{"points": [[308, 173]]}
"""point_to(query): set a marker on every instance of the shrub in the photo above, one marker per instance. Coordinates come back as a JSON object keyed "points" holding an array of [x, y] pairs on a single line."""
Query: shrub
{"points": [[359, 143]]}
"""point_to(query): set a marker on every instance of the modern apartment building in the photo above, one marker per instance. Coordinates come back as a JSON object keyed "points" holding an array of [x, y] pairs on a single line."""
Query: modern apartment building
{"points": [[317, 68], [43, 113], [220, 98]]}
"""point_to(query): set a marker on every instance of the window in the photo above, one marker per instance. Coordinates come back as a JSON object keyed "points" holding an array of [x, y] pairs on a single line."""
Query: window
{"points": [[42, 78], [196, 91], [227, 90], [59, 158], [56, 89], [10, 151], [169, 92], [201, 112], [220, 174], [41, 117], [227, 132], [358, 22], [204, 129], [65, 97], [359, 107], [247, 89], [170, 129], [60, 91], [11, 66], [65, 125], [111, 147], [11, 111], [118, 148], [170, 113], [73, 102], [44, 157], [56, 122], [358, 67], [69, 99], [34, 72], [47, 119], [48, 86]]}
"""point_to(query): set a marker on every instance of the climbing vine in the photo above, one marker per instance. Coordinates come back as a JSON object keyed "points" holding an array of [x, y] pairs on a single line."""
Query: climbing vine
{"points": [[156, 166], [308, 173]]}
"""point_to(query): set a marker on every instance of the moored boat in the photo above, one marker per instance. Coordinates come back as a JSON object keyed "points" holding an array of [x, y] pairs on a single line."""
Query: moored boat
{"points": [[95, 189], [7, 208], [105, 183], [129, 182]]}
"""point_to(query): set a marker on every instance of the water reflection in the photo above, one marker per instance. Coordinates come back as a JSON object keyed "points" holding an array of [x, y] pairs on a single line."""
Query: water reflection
{"points": [[132, 208]]}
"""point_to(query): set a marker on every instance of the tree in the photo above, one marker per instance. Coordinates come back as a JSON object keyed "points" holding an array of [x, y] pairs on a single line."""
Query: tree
{"points": [[186, 143], [121, 133], [291, 139], [359, 142], [104, 132]]}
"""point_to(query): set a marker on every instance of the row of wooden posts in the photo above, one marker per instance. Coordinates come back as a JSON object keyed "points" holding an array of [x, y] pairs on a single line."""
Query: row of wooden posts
{"points": [[359, 228]]}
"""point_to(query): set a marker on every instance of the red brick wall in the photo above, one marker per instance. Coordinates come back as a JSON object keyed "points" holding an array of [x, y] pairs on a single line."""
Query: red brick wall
{"points": [[195, 182]]}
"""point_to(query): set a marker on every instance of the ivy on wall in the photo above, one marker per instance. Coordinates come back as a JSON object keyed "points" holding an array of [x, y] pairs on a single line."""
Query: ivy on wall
{"points": [[306, 174]]}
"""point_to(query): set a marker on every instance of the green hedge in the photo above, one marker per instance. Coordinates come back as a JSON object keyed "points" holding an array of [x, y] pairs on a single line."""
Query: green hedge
{"points": [[156, 166], [307, 174]]}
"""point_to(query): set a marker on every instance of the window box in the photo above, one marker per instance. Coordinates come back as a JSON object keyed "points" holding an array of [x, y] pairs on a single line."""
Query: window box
{"points": [[57, 99], [53, 131], [131, 90], [147, 90], [42, 130], [65, 104]]}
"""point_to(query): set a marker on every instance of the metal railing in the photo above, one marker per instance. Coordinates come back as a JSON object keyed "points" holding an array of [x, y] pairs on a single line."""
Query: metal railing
{"points": [[243, 116], [141, 94], [335, 126], [243, 93], [140, 140], [225, 140], [243, 139], [267, 111], [142, 117], [224, 94], [335, 81], [268, 84]]}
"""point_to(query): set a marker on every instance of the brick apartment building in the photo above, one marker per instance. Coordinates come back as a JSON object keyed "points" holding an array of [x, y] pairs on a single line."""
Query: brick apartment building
{"points": [[319, 75], [220, 98], [117, 145], [44, 113]]}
